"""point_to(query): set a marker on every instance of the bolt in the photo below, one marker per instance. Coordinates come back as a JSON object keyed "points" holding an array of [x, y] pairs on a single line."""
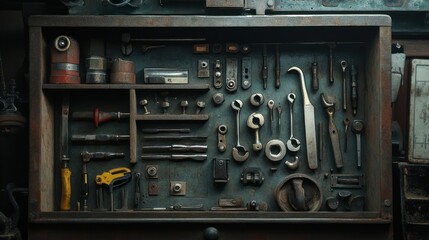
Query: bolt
{"points": [[387, 203], [245, 48], [200, 106], [177, 187], [152, 171], [184, 104], [218, 74], [218, 98], [165, 105], [144, 103], [204, 64]]}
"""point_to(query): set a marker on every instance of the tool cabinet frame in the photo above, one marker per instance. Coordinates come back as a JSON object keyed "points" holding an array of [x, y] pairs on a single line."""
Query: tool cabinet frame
{"points": [[41, 186]]}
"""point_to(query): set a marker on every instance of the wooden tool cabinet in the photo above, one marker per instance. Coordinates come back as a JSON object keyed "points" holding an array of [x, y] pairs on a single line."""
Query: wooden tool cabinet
{"points": [[361, 39]]}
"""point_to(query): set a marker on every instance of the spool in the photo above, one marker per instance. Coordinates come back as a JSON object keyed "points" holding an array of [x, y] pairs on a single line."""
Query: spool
{"points": [[96, 70], [64, 60], [122, 72]]}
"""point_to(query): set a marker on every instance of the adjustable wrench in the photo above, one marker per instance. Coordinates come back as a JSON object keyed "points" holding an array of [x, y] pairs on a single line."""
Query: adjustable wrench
{"points": [[292, 144], [256, 121], [239, 152]]}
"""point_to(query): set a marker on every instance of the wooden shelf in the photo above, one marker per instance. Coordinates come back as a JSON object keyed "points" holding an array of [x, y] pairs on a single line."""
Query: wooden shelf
{"points": [[190, 87], [173, 117]]}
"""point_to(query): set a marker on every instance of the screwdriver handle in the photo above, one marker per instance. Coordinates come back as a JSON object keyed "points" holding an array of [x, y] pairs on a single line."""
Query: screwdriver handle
{"points": [[65, 188], [315, 77]]}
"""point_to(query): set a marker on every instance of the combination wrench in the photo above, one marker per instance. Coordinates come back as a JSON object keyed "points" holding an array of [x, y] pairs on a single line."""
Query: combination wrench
{"points": [[255, 121], [292, 144], [239, 152]]}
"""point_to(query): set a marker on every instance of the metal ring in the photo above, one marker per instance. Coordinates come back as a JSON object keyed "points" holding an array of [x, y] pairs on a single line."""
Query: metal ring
{"points": [[275, 157], [222, 129], [65, 66], [62, 39], [256, 99]]}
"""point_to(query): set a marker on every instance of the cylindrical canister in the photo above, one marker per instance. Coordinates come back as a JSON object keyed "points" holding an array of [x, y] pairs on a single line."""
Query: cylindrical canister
{"points": [[96, 69], [64, 60], [122, 72]]}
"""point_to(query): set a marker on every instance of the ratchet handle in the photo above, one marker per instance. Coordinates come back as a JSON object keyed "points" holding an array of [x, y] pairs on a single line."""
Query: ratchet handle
{"points": [[65, 189]]}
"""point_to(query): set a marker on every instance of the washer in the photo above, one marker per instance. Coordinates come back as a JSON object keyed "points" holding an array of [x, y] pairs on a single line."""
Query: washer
{"points": [[275, 157]]}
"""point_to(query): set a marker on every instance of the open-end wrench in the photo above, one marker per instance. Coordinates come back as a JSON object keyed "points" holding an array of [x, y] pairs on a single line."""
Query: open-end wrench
{"points": [[344, 67], [358, 128], [256, 121], [328, 102], [310, 125], [292, 144], [239, 152]]}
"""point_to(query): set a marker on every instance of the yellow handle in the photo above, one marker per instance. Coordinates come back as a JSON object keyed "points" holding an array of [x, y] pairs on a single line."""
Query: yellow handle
{"points": [[107, 177], [65, 189]]}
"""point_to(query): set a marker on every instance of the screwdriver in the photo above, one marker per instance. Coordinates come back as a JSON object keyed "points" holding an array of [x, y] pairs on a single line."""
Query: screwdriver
{"points": [[65, 168], [99, 116]]}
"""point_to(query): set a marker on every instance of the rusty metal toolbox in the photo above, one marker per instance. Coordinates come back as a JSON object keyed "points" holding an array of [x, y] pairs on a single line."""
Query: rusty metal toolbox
{"points": [[135, 118]]}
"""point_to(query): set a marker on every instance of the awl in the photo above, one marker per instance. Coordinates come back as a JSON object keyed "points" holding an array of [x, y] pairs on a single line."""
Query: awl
{"points": [[310, 125]]}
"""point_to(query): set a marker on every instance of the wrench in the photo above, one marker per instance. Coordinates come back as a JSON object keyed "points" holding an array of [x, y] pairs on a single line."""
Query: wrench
{"points": [[309, 121], [239, 152], [256, 121], [358, 127], [292, 144], [344, 67], [329, 103], [270, 105]]}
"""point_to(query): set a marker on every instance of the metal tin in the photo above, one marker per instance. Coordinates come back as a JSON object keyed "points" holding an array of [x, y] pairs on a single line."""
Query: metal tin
{"points": [[96, 69], [122, 72]]}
